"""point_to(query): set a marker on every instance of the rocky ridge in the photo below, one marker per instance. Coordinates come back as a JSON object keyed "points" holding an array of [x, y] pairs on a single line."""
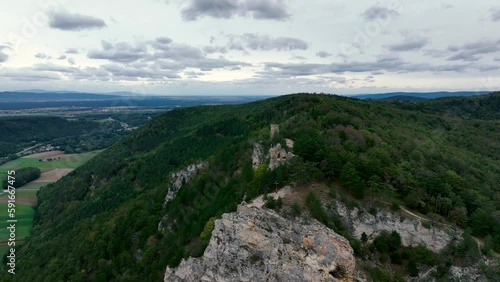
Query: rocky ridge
{"points": [[257, 244], [177, 179], [412, 231]]}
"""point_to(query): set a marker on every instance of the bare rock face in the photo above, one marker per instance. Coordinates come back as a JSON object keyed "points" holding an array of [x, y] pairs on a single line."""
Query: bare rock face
{"points": [[255, 244], [181, 177], [411, 230], [289, 143], [177, 179], [257, 155]]}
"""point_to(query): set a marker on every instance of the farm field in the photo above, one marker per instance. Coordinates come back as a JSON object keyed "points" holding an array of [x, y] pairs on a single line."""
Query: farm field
{"points": [[73, 161], [24, 216], [26, 195]]}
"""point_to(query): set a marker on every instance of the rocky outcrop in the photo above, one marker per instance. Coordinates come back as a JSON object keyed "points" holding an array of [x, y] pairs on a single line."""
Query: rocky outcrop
{"points": [[255, 244], [411, 230], [177, 179], [257, 155]]}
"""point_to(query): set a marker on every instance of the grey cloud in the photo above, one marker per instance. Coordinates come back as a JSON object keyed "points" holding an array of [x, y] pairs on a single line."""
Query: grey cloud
{"points": [[72, 51], [495, 14], [119, 52], [3, 57], [464, 56], [386, 64], [436, 53], [409, 44], [71, 61], [297, 57], [161, 42], [215, 49], [193, 74], [473, 51], [64, 20], [484, 68], [157, 59], [62, 57], [266, 43], [55, 68], [178, 52], [225, 9], [26, 74], [378, 12], [323, 54], [41, 56]]}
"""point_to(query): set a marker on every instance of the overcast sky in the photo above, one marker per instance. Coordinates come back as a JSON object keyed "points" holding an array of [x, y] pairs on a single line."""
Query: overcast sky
{"points": [[250, 46]]}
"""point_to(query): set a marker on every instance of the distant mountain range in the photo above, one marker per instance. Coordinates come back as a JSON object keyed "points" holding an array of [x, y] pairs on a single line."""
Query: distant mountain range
{"points": [[30, 99], [422, 95], [40, 95]]}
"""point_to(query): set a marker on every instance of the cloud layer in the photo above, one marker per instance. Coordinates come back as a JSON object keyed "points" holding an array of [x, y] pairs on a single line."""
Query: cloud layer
{"points": [[265, 43]]}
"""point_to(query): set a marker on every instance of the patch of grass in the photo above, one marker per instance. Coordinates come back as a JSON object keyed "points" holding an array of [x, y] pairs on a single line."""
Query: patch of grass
{"points": [[426, 224], [28, 191], [24, 216]]}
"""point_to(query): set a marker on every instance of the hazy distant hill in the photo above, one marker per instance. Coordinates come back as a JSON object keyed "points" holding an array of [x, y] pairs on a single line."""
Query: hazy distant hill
{"points": [[44, 97], [479, 107], [425, 95], [29, 100]]}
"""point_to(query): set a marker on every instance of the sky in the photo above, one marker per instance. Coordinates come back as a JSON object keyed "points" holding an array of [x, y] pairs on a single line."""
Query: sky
{"points": [[250, 47]]}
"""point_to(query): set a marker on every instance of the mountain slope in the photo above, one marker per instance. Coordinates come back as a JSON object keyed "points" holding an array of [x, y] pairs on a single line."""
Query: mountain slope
{"points": [[478, 107], [102, 221]]}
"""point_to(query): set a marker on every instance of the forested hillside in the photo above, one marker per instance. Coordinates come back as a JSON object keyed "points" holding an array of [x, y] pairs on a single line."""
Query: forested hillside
{"points": [[101, 222], [478, 107], [72, 135]]}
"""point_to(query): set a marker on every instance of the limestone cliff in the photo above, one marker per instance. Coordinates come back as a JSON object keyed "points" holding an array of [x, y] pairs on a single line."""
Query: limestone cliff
{"points": [[411, 230], [177, 179], [256, 244]]}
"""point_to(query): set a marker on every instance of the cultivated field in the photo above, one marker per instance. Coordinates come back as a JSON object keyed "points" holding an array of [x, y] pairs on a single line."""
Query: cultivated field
{"points": [[72, 161], [24, 216], [26, 195], [53, 175]]}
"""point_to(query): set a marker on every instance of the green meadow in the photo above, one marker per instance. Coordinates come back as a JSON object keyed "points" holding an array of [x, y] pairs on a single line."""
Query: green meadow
{"points": [[24, 216]]}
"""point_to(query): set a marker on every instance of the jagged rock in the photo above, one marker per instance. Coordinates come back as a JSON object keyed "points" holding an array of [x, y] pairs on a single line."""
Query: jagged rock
{"points": [[181, 177], [411, 230], [177, 179], [257, 155], [255, 244], [467, 274]]}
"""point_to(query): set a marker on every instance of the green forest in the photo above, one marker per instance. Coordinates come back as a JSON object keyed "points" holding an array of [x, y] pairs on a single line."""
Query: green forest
{"points": [[440, 158], [73, 135], [22, 176]]}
